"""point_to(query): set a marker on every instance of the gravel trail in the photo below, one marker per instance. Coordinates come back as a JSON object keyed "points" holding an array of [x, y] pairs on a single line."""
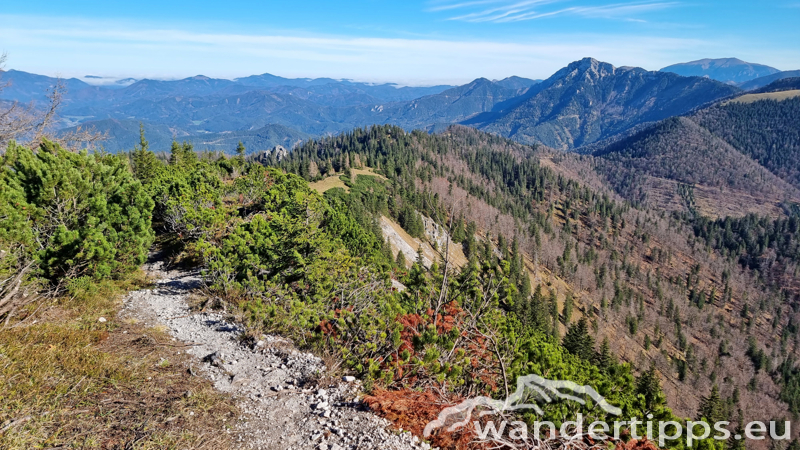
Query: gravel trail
{"points": [[273, 384]]}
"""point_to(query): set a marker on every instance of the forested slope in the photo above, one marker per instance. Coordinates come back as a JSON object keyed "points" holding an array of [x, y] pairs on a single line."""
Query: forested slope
{"points": [[767, 131], [705, 302], [562, 279], [729, 159], [650, 167], [123, 134]]}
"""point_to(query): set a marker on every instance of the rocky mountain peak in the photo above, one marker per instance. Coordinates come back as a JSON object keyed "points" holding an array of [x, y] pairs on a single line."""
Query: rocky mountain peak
{"points": [[589, 68]]}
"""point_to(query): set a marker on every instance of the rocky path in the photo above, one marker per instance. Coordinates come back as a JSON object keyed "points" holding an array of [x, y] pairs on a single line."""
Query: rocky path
{"points": [[283, 406]]}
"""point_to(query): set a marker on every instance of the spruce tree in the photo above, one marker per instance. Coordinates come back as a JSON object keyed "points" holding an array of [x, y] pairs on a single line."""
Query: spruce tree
{"points": [[458, 233], [143, 144], [648, 385], [605, 359], [739, 444], [553, 305], [420, 259], [578, 341], [145, 164], [239, 160], [175, 153], [567, 309], [711, 407], [401, 259], [470, 246]]}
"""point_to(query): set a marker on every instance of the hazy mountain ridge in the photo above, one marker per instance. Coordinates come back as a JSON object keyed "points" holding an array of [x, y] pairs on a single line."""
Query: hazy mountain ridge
{"points": [[583, 103], [769, 79], [783, 84], [316, 110], [727, 70], [590, 100], [27, 86], [515, 82], [453, 105]]}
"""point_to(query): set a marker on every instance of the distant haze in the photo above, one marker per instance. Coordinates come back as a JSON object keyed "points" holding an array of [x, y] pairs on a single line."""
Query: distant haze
{"points": [[418, 42], [728, 70], [267, 110]]}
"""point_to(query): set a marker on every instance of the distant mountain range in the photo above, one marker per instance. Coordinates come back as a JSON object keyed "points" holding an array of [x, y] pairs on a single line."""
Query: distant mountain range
{"points": [[590, 100], [581, 104], [198, 107], [745, 75], [27, 86], [759, 83], [727, 70]]}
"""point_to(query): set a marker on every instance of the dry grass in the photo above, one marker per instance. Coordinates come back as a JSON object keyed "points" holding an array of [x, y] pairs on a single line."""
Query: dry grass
{"points": [[334, 181], [69, 381], [369, 171], [329, 183], [750, 98]]}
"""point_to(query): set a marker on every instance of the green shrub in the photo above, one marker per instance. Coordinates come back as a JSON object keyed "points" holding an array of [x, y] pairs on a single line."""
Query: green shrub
{"points": [[188, 200], [75, 214], [284, 242]]}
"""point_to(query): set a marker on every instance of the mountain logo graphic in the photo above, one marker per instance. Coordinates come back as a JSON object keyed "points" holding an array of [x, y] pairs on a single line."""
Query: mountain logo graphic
{"points": [[530, 389]]}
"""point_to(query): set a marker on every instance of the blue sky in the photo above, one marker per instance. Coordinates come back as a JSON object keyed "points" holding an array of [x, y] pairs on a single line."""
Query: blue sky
{"points": [[410, 42]]}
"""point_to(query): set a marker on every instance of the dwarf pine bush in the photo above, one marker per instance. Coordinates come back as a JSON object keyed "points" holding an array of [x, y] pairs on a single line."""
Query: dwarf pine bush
{"points": [[74, 214]]}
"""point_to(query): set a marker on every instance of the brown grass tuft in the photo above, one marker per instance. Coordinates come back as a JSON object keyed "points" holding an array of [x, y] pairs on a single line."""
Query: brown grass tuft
{"points": [[70, 381]]}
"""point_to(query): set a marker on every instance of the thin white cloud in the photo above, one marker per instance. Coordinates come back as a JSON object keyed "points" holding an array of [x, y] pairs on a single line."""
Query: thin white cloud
{"points": [[76, 47], [623, 9], [503, 11], [499, 12]]}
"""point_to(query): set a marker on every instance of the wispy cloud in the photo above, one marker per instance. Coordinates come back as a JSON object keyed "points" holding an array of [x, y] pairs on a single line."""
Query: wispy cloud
{"points": [[76, 47], [503, 11], [504, 14]]}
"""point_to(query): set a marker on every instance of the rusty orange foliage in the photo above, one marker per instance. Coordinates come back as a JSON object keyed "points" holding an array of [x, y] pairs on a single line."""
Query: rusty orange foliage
{"points": [[412, 410], [636, 444]]}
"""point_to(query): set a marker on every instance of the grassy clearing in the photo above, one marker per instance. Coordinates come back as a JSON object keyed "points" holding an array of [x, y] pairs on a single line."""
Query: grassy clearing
{"points": [[69, 381], [369, 171], [750, 98], [329, 183], [335, 181]]}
